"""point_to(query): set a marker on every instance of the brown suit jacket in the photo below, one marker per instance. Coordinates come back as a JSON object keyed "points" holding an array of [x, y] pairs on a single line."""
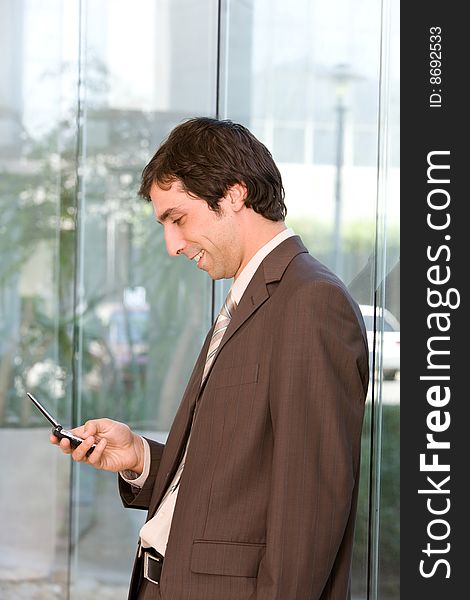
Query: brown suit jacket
{"points": [[267, 500]]}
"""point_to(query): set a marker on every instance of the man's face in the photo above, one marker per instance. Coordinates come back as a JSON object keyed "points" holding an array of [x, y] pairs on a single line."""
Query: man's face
{"points": [[191, 228]]}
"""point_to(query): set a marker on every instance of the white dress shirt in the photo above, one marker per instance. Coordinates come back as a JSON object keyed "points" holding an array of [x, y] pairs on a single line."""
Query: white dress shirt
{"points": [[156, 531]]}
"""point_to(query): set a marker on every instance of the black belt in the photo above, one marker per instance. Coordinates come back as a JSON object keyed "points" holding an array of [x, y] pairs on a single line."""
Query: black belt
{"points": [[152, 563]]}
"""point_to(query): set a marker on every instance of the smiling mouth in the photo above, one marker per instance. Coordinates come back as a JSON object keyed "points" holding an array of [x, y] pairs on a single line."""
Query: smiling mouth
{"points": [[197, 257]]}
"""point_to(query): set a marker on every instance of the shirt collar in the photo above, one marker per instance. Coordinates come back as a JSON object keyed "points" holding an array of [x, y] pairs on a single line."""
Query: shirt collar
{"points": [[241, 282]]}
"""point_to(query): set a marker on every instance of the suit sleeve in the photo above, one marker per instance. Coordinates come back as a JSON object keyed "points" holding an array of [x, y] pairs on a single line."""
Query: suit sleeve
{"points": [[318, 382], [133, 497]]}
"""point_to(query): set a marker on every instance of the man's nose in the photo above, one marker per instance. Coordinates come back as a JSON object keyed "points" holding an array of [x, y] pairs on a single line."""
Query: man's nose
{"points": [[175, 243]]}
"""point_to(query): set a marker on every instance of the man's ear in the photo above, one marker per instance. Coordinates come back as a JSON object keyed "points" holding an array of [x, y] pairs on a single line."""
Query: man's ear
{"points": [[236, 196]]}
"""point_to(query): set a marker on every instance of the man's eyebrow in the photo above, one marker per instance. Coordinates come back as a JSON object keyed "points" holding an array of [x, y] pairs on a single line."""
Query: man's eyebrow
{"points": [[167, 214]]}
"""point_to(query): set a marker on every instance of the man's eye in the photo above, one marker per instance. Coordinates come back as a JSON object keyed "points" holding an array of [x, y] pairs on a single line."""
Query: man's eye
{"points": [[177, 221]]}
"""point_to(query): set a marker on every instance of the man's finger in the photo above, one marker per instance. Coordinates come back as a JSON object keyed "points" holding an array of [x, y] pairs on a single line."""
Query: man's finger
{"points": [[65, 446], [85, 430], [95, 457], [79, 454]]}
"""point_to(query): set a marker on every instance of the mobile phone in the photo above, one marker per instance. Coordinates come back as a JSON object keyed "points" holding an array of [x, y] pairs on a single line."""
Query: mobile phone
{"points": [[57, 428]]}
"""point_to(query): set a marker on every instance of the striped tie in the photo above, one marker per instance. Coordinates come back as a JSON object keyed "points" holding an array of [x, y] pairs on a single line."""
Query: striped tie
{"points": [[221, 325]]}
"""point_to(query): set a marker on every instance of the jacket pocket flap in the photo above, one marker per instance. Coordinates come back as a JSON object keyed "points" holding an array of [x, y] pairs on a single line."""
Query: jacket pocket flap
{"points": [[226, 558], [237, 376]]}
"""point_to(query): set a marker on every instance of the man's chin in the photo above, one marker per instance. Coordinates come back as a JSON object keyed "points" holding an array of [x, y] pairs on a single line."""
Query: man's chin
{"points": [[214, 273], [216, 276]]}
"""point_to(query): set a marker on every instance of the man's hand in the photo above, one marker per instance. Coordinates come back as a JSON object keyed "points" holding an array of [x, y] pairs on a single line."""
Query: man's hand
{"points": [[117, 447]]}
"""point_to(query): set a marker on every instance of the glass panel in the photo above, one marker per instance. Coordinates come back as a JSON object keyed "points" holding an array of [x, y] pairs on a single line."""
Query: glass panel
{"points": [[309, 72], [38, 71], [142, 316], [387, 566]]}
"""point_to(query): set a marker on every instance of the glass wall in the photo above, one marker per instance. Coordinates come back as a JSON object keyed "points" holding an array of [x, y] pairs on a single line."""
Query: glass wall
{"points": [[38, 98], [144, 67], [318, 83], [96, 319]]}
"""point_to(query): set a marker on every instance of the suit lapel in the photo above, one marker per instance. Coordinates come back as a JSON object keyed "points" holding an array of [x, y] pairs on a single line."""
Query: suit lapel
{"points": [[257, 292], [180, 429]]}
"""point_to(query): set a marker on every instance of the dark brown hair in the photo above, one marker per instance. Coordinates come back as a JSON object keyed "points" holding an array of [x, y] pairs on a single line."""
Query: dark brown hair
{"points": [[207, 156]]}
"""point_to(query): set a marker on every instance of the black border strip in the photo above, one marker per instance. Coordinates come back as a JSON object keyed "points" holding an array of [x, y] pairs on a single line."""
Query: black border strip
{"points": [[434, 282]]}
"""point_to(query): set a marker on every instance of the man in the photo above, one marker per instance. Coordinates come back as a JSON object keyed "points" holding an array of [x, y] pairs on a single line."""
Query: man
{"points": [[254, 494]]}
